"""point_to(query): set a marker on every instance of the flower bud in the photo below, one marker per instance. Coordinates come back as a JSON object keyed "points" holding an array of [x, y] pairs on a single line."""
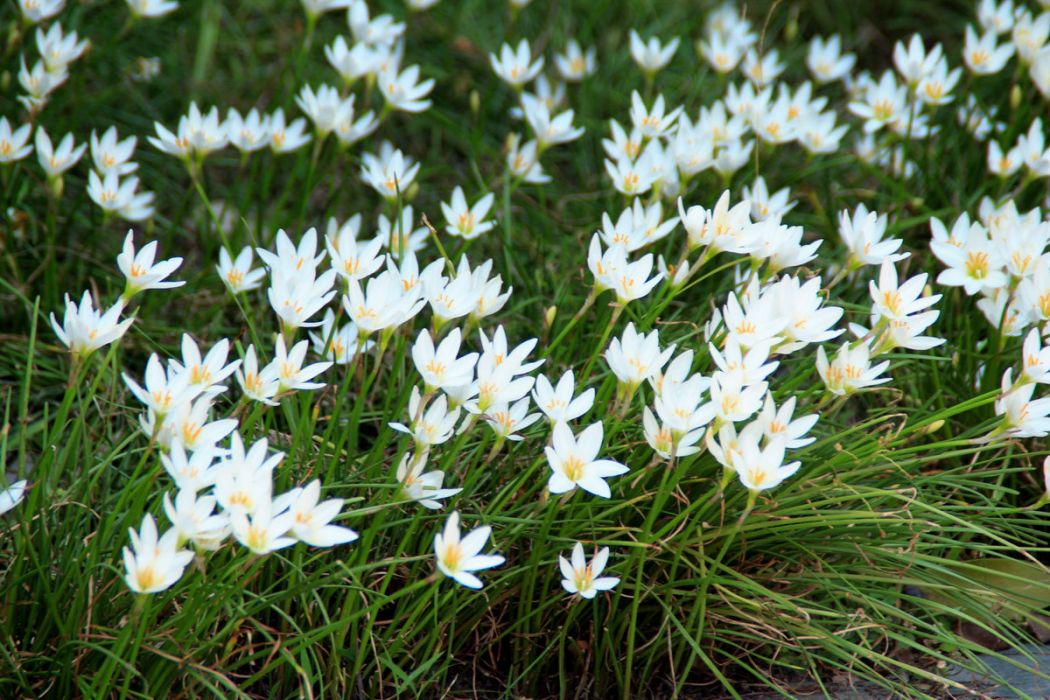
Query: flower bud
{"points": [[548, 316]]}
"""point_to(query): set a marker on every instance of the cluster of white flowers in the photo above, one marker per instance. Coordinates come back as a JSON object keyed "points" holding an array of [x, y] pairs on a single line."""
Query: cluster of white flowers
{"points": [[58, 50], [1000, 255], [223, 492], [355, 290]]}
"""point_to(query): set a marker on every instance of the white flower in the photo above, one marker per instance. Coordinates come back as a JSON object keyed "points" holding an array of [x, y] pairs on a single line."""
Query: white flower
{"points": [[57, 161], [141, 272], [287, 367], [325, 108], [628, 177], [58, 50], [507, 419], [38, 83], [637, 226], [825, 60], [152, 8], [732, 400], [110, 194], [851, 370], [287, 138], [762, 69], [732, 156], [557, 402], [913, 62], [194, 472], [765, 205], [883, 104], [421, 486], [109, 154], [722, 228], [248, 133], [722, 51], [523, 161], [935, 88], [1022, 416], [863, 235], [429, 427], [458, 558], [464, 220], [381, 29], [153, 564], [237, 274], [761, 469], [892, 301], [981, 54], [84, 330], [390, 173], [245, 478], [749, 364], [195, 520], [515, 65], [662, 439], [14, 144], [196, 135], [190, 423], [12, 495], [778, 424], [806, 320], [817, 133], [549, 130], [34, 11], [651, 55], [583, 579], [635, 357], [974, 264], [1005, 311], [996, 17], [632, 280], [312, 518], [404, 91], [573, 461], [1030, 35], [441, 367], [1035, 360], [264, 528], [574, 65], [383, 304], [206, 373], [315, 8], [340, 345], [297, 296], [164, 390], [352, 63], [652, 122]]}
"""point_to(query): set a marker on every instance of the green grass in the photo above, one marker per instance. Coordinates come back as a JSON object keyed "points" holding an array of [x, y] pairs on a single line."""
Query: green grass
{"points": [[863, 566]]}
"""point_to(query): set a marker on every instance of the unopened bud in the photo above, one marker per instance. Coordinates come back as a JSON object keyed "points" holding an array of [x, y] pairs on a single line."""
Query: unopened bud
{"points": [[475, 103], [1015, 96], [933, 427], [548, 316]]}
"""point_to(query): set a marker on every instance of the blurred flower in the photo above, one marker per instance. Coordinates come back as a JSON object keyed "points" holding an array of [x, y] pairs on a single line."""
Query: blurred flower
{"points": [[651, 55]]}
